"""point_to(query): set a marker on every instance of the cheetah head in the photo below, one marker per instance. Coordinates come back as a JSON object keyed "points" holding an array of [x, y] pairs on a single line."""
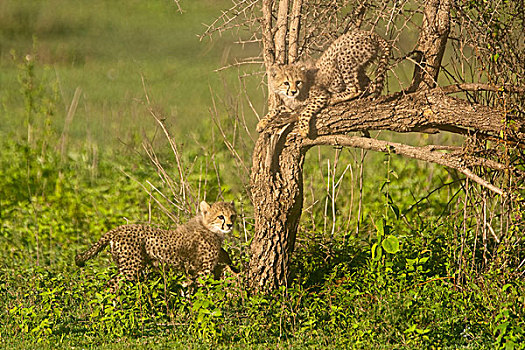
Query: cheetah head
{"points": [[289, 80], [218, 217]]}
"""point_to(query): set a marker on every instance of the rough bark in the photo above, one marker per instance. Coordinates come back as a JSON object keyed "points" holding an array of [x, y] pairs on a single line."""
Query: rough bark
{"points": [[425, 110], [282, 30], [277, 194], [293, 35], [431, 44]]}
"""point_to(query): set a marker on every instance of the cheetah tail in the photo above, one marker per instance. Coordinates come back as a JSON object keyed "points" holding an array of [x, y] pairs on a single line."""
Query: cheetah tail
{"points": [[80, 259], [382, 65]]}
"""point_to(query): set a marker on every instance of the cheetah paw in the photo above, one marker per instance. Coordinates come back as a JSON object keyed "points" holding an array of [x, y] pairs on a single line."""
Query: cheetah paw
{"points": [[261, 125]]}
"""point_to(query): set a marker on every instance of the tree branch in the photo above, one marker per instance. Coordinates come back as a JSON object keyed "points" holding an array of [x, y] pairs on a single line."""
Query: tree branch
{"points": [[431, 44], [427, 153], [449, 89], [416, 112], [293, 35], [268, 47], [267, 37], [282, 29]]}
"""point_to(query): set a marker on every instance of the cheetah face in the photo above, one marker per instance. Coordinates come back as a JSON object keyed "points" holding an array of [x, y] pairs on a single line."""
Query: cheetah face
{"points": [[288, 80], [219, 217]]}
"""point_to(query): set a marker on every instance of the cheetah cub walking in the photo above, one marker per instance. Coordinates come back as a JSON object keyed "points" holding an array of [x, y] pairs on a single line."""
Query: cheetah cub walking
{"points": [[194, 247], [339, 75]]}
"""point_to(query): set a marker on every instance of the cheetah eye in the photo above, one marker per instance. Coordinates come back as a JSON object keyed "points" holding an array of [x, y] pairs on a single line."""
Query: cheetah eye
{"points": [[220, 217], [286, 83], [298, 83]]}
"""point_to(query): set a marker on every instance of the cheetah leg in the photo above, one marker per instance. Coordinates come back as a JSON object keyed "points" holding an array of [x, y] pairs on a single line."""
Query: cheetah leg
{"points": [[264, 122], [129, 268], [313, 106], [360, 86], [113, 283], [347, 95], [224, 262], [352, 81], [205, 269]]}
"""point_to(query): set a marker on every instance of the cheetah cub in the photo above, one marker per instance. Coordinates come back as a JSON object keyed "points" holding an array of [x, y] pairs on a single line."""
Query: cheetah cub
{"points": [[338, 75], [194, 247]]}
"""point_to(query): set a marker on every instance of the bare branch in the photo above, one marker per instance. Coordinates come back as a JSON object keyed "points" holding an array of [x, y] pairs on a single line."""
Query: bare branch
{"points": [[268, 46], [249, 60], [427, 109], [431, 43], [267, 37], [228, 144], [481, 87], [281, 30], [293, 35], [69, 118], [162, 207], [184, 185], [426, 153], [178, 6], [229, 18]]}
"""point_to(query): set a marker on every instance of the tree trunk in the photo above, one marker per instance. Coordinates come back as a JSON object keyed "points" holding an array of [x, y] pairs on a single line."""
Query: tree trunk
{"points": [[277, 194]]}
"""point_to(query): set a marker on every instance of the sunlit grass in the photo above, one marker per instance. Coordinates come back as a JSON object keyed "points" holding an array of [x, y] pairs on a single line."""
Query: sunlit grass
{"points": [[106, 48], [56, 200]]}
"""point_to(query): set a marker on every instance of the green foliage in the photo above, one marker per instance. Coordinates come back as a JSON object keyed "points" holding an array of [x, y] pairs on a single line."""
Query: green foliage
{"points": [[407, 274]]}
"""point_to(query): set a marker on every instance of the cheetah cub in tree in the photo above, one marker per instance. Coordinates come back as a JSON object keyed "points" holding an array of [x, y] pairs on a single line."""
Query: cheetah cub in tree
{"points": [[194, 247], [338, 75]]}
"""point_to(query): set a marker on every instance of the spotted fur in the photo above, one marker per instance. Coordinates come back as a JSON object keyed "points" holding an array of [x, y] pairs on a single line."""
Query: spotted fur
{"points": [[293, 84], [339, 75], [194, 247]]}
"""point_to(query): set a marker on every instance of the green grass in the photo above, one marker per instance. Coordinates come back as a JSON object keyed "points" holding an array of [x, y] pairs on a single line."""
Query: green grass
{"points": [[348, 290], [104, 48]]}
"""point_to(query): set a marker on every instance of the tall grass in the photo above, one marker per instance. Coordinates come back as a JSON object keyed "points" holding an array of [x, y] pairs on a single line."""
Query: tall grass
{"points": [[132, 126]]}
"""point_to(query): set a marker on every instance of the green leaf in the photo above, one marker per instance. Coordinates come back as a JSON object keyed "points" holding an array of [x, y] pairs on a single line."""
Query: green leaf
{"points": [[505, 287], [422, 331], [423, 260], [381, 228], [395, 209], [411, 329], [377, 252], [216, 313], [391, 244]]}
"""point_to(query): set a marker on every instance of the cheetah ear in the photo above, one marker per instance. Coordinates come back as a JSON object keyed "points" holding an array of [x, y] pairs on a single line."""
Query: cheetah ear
{"points": [[204, 207]]}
